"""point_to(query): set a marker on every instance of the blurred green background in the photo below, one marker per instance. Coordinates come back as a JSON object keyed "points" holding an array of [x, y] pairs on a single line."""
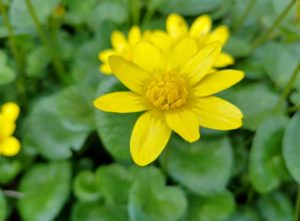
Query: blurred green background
{"points": [[75, 163]]}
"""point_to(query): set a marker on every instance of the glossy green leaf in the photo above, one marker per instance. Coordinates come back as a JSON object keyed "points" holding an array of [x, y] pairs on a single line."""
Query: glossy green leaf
{"points": [[204, 167], [275, 207], [86, 187], [213, 208], [7, 75], [267, 168], [189, 7], [46, 188], [47, 133], [9, 170], [3, 206], [246, 95], [96, 211], [37, 60], [151, 200], [291, 150], [114, 182], [20, 16]]}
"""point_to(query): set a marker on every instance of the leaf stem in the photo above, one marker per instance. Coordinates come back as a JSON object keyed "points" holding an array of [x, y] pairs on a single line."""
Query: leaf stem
{"points": [[246, 12], [287, 89], [269, 32], [297, 206], [56, 61], [13, 194], [20, 83]]}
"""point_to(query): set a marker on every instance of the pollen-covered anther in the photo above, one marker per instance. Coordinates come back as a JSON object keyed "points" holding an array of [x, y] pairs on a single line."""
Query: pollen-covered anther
{"points": [[167, 91]]}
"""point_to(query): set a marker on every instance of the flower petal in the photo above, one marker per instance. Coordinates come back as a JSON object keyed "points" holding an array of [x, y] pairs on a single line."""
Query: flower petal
{"points": [[149, 137], [220, 34], [119, 41], [131, 75], [185, 123], [105, 69], [9, 147], [176, 26], [10, 111], [216, 82], [104, 55], [159, 38], [224, 60], [181, 53], [7, 127], [120, 102], [134, 35], [216, 113], [202, 62], [201, 26], [148, 57]]}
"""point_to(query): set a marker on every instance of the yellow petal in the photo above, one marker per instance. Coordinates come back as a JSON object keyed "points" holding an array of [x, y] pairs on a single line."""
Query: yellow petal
{"points": [[185, 123], [149, 137], [216, 82], [148, 57], [7, 127], [120, 102], [131, 75], [10, 111], [224, 60], [216, 113], [201, 26], [105, 69], [202, 62], [9, 147], [119, 41], [220, 34], [104, 55], [181, 53], [176, 26], [158, 38], [134, 35]]}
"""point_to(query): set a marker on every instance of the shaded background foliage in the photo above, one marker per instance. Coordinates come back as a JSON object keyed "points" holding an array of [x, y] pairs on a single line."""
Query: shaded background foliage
{"points": [[75, 162]]}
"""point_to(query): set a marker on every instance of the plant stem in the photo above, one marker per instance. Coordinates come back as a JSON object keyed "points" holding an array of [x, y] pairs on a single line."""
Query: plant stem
{"points": [[269, 32], [56, 61], [241, 20], [17, 55], [287, 89], [294, 109], [13, 194], [297, 206]]}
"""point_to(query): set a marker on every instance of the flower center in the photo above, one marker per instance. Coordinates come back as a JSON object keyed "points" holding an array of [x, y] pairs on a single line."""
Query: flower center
{"points": [[167, 91]]}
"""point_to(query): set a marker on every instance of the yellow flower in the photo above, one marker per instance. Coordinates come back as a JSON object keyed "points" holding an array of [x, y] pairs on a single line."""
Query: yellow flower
{"points": [[9, 145], [175, 92], [121, 46], [200, 30]]}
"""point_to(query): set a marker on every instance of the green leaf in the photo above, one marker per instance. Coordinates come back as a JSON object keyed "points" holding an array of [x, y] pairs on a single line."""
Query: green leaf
{"points": [[37, 61], [86, 187], [115, 129], [3, 207], [7, 75], [46, 188], [151, 200], [9, 170], [20, 16], [47, 133], [213, 208], [76, 109], [275, 207], [96, 211], [267, 167], [204, 167], [247, 94], [291, 150], [189, 7], [279, 63], [114, 182], [238, 46]]}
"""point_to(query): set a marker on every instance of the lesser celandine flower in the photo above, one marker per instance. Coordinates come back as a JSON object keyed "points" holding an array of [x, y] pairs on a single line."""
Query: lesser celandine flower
{"points": [[174, 91], [120, 46], [200, 30], [9, 145]]}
